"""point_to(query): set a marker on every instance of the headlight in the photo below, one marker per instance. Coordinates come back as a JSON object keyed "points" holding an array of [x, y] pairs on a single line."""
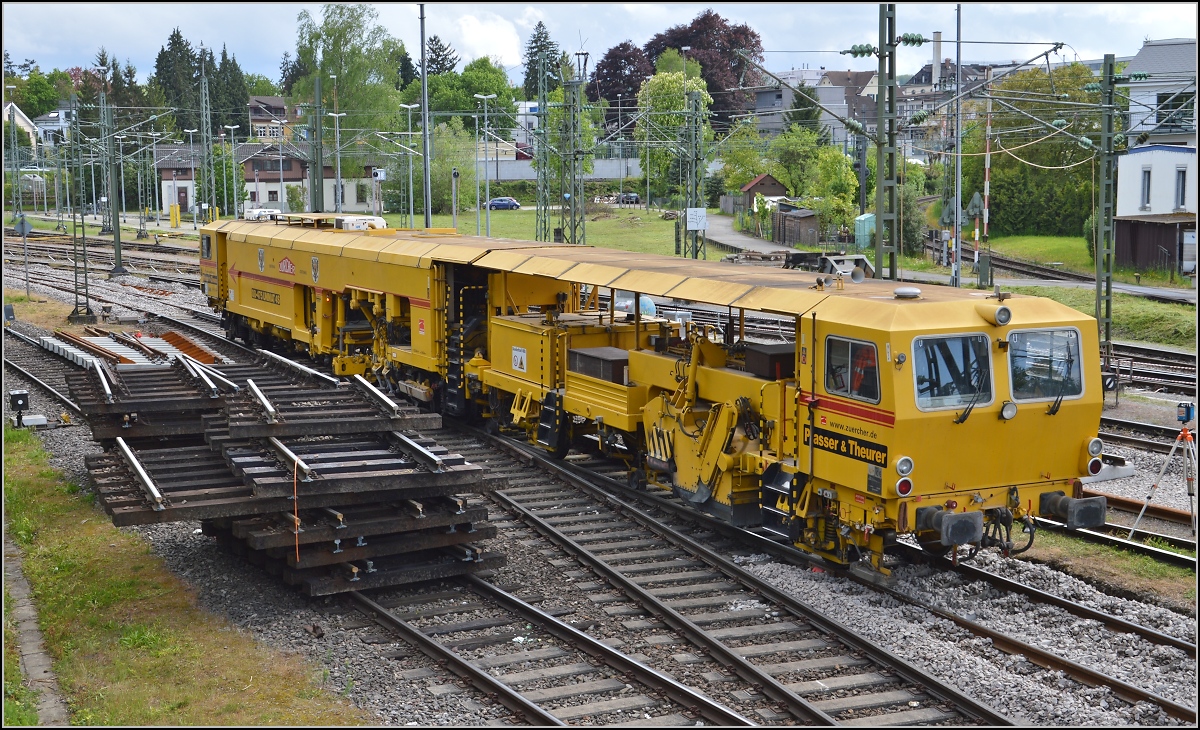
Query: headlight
{"points": [[1095, 447], [1008, 411], [1003, 316], [904, 466]]}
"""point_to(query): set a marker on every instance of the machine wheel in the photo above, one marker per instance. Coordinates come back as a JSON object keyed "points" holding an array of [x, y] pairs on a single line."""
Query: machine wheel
{"points": [[636, 479]]}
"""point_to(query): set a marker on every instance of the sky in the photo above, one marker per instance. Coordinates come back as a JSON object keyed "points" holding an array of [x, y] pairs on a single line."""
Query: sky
{"points": [[794, 35]]}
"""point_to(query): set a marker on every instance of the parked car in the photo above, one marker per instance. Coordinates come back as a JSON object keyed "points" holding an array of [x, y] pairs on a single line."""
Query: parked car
{"points": [[630, 198], [503, 204]]}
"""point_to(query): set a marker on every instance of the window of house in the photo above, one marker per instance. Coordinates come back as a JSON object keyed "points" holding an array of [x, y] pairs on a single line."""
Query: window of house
{"points": [[1180, 188], [1175, 111], [253, 197], [1145, 188], [851, 369], [273, 196]]}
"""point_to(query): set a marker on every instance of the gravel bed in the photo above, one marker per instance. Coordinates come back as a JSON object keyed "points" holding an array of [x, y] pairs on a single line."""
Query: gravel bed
{"points": [[1014, 686]]}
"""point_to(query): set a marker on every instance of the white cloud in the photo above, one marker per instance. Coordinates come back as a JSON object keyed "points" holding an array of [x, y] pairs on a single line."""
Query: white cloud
{"points": [[487, 34]]}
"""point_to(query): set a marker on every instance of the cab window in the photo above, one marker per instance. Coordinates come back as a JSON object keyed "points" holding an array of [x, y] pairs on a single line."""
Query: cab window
{"points": [[851, 369], [952, 372], [1045, 364]]}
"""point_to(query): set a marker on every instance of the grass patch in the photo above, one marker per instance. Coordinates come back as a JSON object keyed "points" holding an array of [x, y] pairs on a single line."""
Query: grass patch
{"points": [[45, 313], [1161, 544], [1106, 565], [1134, 318], [627, 229], [129, 645], [20, 700], [1071, 252]]}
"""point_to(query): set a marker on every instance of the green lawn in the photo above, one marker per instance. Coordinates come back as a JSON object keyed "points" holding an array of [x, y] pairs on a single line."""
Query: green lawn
{"points": [[1071, 252], [1134, 318], [628, 229]]}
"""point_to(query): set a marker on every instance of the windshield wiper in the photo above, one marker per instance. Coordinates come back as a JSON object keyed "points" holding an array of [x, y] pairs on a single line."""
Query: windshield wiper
{"points": [[1062, 390], [962, 417]]}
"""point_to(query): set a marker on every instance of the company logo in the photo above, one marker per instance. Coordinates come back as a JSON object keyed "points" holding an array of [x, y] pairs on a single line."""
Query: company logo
{"points": [[262, 260], [286, 266], [314, 269]]}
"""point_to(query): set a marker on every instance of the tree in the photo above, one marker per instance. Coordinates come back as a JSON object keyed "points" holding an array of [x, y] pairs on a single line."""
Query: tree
{"points": [[37, 95], [350, 43], [619, 75], [539, 42], [792, 158], [440, 56], [662, 99], [21, 137], [406, 69], [290, 71], [715, 44], [743, 152], [1046, 187], [229, 93], [455, 92], [455, 148], [176, 70], [806, 113], [672, 61], [259, 85]]}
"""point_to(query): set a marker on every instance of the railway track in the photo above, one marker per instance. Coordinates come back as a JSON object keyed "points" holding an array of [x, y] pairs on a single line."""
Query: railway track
{"points": [[569, 676], [668, 581], [26, 356], [616, 482]]}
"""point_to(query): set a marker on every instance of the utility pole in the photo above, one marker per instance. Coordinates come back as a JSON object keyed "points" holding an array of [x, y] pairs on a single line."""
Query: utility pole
{"points": [[695, 171], [408, 145], [573, 215], [12, 133], [1105, 247], [425, 124], [316, 176], [487, 192], [956, 275], [207, 163], [108, 133], [337, 145], [541, 153], [887, 234]]}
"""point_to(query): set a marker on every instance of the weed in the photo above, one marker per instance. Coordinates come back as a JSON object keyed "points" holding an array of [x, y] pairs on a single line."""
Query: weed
{"points": [[146, 639], [1161, 544]]}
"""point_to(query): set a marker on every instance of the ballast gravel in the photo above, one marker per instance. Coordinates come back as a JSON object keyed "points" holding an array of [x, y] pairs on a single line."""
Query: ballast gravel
{"points": [[1009, 683]]}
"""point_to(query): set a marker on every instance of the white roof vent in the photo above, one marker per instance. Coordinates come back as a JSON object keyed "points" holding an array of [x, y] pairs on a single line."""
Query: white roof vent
{"points": [[907, 292]]}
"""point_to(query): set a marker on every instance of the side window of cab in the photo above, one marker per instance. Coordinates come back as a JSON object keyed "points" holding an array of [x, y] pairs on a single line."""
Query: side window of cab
{"points": [[851, 369]]}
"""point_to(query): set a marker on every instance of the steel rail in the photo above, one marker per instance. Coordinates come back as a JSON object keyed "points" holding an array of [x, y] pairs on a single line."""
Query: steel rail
{"points": [[1162, 556], [1041, 657], [44, 386], [704, 706], [773, 688], [941, 690], [483, 681]]}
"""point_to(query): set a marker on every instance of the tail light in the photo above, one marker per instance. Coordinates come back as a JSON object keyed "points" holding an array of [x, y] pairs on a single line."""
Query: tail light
{"points": [[1094, 466], [904, 487]]}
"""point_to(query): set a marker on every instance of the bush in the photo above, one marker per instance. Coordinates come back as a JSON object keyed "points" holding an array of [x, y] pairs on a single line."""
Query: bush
{"points": [[1089, 235]]}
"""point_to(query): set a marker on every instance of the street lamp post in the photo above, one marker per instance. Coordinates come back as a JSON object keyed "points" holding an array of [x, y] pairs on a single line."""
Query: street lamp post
{"points": [[12, 133], [174, 187], [487, 187], [408, 144], [281, 195], [233, 164], [192, 167], [337, 143], [478, 206], [224, 181]]}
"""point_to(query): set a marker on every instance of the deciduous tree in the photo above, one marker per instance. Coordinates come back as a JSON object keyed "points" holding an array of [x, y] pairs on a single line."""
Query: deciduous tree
{"points": [[621, 72]]}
